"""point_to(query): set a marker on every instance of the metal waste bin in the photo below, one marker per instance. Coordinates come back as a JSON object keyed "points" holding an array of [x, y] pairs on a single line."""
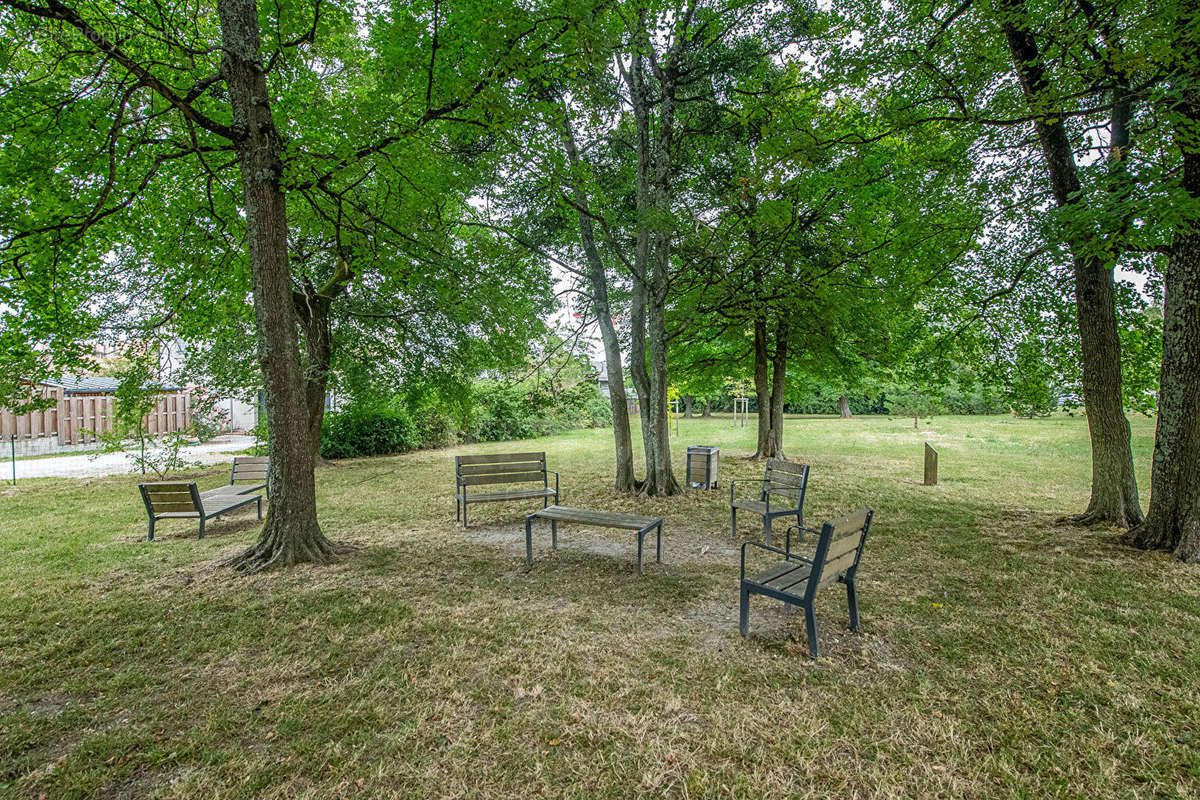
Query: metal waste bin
{"points": [[703, 467]]}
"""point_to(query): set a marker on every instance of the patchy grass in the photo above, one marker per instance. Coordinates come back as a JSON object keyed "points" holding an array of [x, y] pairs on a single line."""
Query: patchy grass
{"points": [[1003, 653]]}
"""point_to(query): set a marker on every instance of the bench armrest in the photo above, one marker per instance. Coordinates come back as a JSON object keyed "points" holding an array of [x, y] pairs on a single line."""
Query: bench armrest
{"points": [[788, 536], [736, 481], [762, 546], [555, 474]]}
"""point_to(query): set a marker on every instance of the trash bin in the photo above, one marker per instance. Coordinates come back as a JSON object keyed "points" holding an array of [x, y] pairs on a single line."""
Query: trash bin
{"points": [[703, 467]]}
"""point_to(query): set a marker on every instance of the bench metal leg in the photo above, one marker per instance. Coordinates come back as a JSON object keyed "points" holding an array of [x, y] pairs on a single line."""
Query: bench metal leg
{"points": [[528, 541], [767, 530], [641, 534], [553, 534], [457, 508], [852, 601], [150, 533], [260, 508], [658, 555], [733, 522], [201, 536], [744, 613], [810, 624]]}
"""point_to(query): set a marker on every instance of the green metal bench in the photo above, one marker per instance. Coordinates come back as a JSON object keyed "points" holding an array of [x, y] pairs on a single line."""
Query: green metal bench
{"points": [[601, 519], [796, 579], [183, 500], [779, 479], [502, 469], [245, 468]]}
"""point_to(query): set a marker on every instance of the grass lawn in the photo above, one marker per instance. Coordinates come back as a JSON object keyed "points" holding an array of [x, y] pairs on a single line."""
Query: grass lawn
{"points": [[1003, 653]]}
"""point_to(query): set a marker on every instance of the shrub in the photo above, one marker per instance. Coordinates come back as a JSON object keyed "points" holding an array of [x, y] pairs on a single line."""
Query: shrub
{"points": [[367, 431], [518, 411]]}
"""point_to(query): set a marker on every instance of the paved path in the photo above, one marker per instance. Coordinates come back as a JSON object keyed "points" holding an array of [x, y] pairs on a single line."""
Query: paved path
{"points": [[80, 465]]}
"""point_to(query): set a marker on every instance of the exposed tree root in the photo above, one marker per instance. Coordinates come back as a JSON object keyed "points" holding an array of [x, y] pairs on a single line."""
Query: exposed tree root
{"points": [[273, 549], [1094, 515]]}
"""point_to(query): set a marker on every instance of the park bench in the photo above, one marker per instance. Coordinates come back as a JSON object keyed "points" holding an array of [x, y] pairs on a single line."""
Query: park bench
{"points": [[183, 500], [502, 469], [780, 478], [796, 579], [602, 519], [245, 468]]}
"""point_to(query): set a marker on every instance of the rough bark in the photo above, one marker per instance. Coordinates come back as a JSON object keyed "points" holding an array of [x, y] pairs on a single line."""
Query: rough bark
{"points": [[779, 361], [291, 533], [598, 278], [1173, 520], [844, 406], [1114, 497], [312, 311], [762, 388], [652, 258], [707, 412], [689, 406]]}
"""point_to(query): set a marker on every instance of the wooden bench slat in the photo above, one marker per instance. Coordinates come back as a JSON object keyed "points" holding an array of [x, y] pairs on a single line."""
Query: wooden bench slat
{"points": [[219, 505], [509, 477], [500, 458], [845, 544], [170, 497], [850, 523], [774, 572], [784, 466], [494, 469], [834, 567], [789, 580], [585, 516], [523, 494], [161, 508]]}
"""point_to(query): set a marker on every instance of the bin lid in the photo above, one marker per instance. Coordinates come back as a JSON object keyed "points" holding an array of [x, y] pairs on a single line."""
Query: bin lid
{"points": [[703, 448]]}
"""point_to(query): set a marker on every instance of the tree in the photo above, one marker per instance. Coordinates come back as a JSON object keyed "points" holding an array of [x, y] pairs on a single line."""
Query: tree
{"points": [[1173, 520], [146, 106]]}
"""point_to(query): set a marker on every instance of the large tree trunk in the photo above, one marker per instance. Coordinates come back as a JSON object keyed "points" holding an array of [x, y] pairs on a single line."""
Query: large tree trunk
{"points": [[1114, 487], [1173, 521], [689, 406], [637, 367], [312, 310], [707, 412], [651, 266], [598, 277], [291, 533], [778, 387], [762, 388], [844, 406]]}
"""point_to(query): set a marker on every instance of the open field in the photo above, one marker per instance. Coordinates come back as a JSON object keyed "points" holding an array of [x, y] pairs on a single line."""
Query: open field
{"points": [[1003, 653]]}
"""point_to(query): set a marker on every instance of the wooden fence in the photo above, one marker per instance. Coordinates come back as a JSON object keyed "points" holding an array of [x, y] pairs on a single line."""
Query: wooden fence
{"points": [[78, 418]]}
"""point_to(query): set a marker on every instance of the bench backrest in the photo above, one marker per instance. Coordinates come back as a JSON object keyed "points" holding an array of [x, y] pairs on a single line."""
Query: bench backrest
{"points": [[166, 498], [250, 468], [500, 468], [839, 548], [786, 479]]}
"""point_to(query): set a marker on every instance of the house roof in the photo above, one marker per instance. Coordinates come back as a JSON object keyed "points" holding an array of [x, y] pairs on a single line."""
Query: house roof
{"points": [[92, 384]]}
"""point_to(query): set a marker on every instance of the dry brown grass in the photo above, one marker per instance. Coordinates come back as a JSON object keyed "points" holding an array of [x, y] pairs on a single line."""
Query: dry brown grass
{"points": [[1003, 654]]}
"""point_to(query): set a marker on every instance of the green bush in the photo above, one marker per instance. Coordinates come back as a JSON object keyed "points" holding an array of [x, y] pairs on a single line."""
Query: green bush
{"points": [[368, 431], [518, 411]]}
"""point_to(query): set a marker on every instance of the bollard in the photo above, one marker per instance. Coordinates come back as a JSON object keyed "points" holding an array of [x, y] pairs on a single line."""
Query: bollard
{"points": [[931, 456]]}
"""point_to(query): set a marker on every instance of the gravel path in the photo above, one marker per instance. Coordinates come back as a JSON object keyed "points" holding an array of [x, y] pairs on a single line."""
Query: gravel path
{"points": [[81, 465]]}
